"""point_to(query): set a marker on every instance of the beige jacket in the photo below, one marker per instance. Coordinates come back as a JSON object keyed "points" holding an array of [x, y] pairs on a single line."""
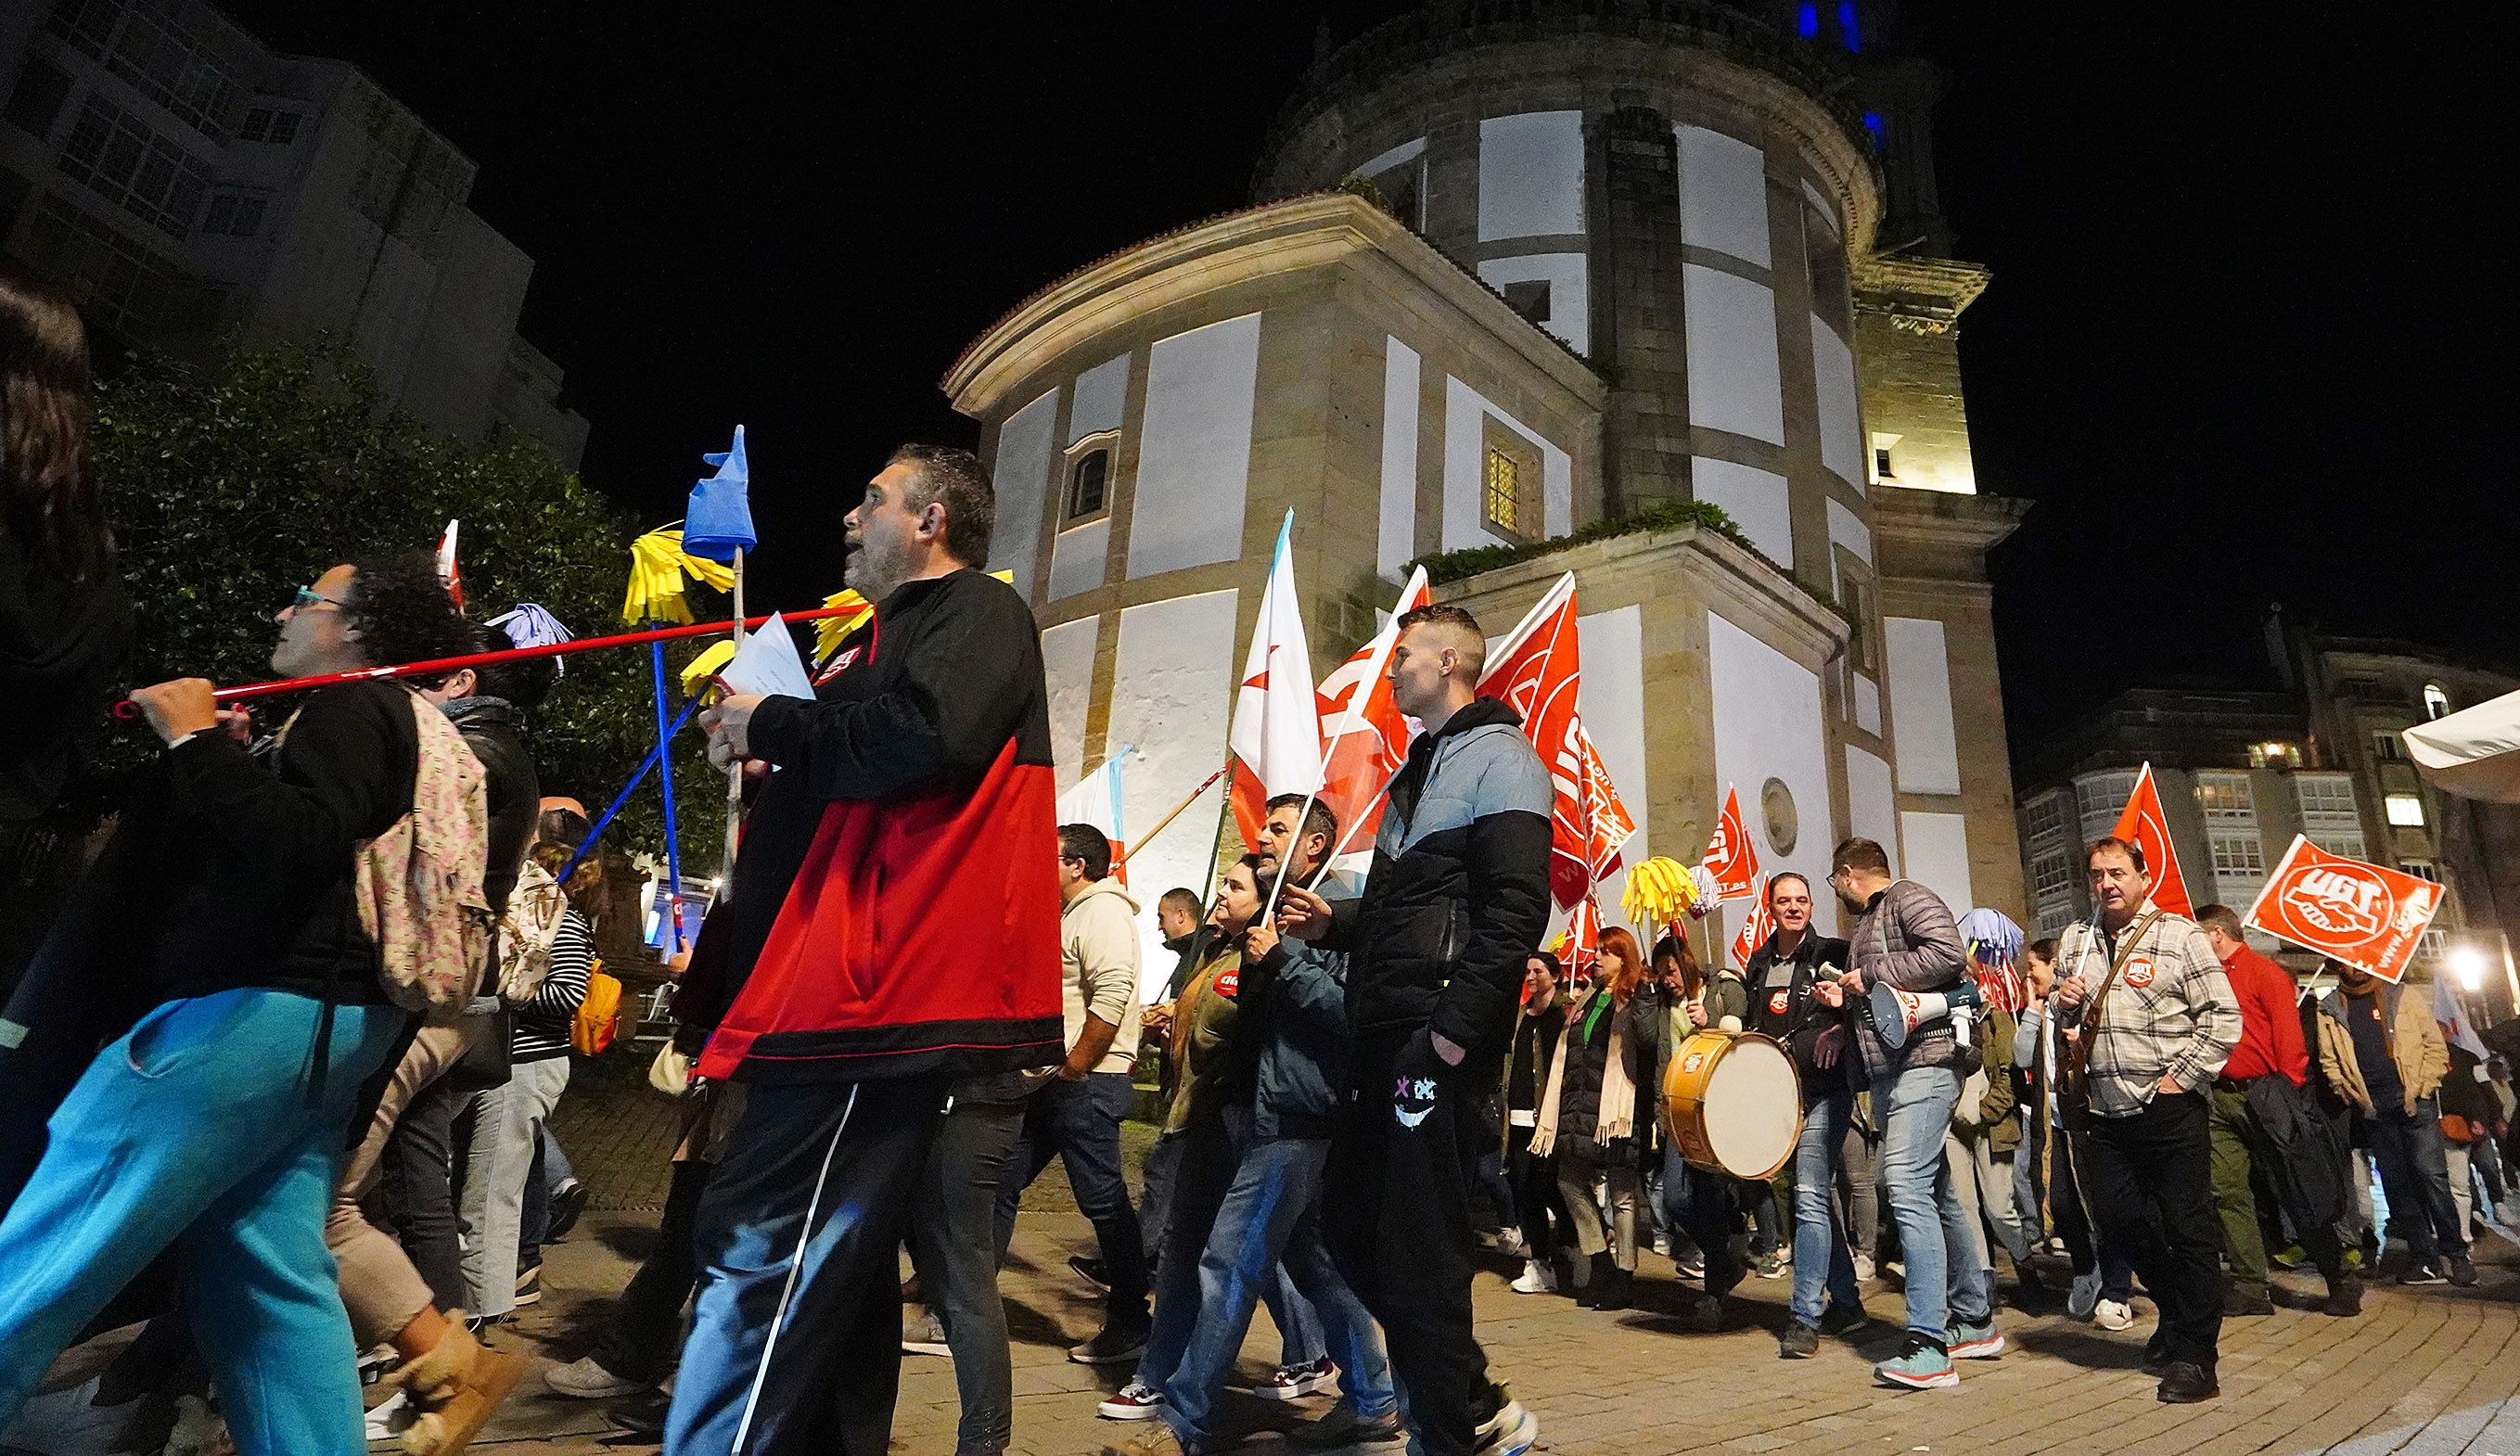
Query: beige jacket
{"points": [[2415, 1045], [1099, 949]]}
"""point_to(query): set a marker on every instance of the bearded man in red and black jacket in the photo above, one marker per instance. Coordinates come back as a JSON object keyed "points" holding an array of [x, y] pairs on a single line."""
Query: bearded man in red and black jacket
{"points": [[892, 924]]}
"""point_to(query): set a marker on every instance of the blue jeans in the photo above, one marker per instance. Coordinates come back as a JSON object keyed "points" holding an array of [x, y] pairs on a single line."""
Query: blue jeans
{"points": [[1915, 1109], [2414, 1174], [1271, 1213], [192, 1131], [1299, 1330], [1821, 1267], [1080, 1123]]}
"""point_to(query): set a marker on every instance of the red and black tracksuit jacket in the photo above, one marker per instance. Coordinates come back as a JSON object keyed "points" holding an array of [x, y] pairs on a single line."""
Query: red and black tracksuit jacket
{"points": [[895, 907]]}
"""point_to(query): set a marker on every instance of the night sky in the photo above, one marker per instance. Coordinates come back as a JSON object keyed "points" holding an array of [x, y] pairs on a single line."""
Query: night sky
{"points": [[2236, 348]]}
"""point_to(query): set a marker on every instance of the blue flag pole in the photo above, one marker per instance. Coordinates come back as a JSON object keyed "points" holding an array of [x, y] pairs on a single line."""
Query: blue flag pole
{"points": [[603, 820], [665, 766]]}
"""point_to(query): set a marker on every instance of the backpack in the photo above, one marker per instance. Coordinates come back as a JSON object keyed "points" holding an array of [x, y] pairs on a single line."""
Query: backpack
{"points": [[419, 883], [527, 930], [598, 1017]]}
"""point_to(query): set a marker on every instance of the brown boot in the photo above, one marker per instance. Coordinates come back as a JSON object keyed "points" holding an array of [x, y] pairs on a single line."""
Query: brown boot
{"points": [[455, 1386]]}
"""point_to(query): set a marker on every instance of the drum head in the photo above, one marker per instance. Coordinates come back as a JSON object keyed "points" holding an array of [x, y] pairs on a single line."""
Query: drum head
{"points": [[1753, 1107]]}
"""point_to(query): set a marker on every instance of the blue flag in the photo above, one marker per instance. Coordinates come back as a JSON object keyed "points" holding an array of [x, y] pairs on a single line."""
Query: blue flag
{"points": [[719, 519]]}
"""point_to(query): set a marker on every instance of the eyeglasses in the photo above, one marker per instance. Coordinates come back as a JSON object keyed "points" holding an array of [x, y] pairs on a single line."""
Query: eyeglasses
{"points": [[308, 596]]}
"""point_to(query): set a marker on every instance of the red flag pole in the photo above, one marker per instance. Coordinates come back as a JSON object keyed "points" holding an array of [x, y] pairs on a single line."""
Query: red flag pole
{"points": [[124, 709]]}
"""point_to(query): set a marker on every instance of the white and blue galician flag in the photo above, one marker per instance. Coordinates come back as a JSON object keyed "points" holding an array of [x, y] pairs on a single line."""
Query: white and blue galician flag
{"points": [[1096, 800], [718, 521]]}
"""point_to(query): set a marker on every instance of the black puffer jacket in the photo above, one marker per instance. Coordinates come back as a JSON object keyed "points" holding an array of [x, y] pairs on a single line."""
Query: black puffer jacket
{"points": [[1459, 895]]}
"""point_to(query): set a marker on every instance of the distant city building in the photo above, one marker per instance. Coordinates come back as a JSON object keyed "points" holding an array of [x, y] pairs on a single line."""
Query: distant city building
{"points": [[1614, 255], [193, 189], [2242, 772]]}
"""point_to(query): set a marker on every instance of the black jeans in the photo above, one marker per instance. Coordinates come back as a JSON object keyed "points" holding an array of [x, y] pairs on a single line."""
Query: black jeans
{"points": [[1397, 1197], [418, 1187], [954, 1247], [645, 1329], [1535, 1195], [2150, 1179], [1079, 1123]]}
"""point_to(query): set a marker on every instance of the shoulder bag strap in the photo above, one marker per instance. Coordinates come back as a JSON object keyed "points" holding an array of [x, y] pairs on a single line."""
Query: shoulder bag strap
{"points": [[2117, 963]]}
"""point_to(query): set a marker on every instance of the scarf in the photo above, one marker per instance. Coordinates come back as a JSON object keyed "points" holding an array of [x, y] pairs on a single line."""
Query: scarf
{"points": [[1617, 1115]]}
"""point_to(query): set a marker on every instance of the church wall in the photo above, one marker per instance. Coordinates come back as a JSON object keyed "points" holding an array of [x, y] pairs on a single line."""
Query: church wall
{"points": [[1196, 454], [1021, 475], [1768, 727], [1067, 663], [1531, 175], [1723, 195], [1613, 647], [1174, 656]]}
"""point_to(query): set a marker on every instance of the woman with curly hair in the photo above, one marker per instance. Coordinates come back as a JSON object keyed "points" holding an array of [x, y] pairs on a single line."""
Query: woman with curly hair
{"points": [[226, 918]]}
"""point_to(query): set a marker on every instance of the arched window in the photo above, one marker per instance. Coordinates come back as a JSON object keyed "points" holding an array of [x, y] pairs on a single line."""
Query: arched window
{"points": [[2436, 701], [1089, 483]]}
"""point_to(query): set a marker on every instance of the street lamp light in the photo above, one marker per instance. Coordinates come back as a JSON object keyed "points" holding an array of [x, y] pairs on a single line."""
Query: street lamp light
{"points": [[2467, 963]]}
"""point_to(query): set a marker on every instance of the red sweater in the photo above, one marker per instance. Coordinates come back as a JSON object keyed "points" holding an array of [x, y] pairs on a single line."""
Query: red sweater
{"points": [[2269, 1022]]}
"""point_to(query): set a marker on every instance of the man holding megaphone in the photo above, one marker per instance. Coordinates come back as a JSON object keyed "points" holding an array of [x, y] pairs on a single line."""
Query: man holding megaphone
{"points": [[1905, 945]]}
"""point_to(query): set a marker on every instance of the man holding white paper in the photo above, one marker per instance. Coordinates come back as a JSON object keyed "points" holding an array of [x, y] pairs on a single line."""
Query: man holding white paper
{"points": [[891, 925]]}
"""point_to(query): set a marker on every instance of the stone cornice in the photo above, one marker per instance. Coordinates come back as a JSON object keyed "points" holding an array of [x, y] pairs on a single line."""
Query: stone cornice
{"points": [[1317, 231], [1920, 295], [1744, 583], [1922, 533]]}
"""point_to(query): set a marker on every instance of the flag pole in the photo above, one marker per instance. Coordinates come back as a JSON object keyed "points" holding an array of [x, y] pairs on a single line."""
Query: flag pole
{"points": [[1347, 836], [734, 770], [1165, 823]]}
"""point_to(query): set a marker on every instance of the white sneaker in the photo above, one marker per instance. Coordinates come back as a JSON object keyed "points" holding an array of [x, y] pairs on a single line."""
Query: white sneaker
{"points": [[1865, 1273], [1509, 1242], [70, 1421], [1136, 1401], [1512, 1431], [388, 1421], [926, 1336], [1537, 1279], [2085, 1293], [587, 1379], [2110, 1314]]}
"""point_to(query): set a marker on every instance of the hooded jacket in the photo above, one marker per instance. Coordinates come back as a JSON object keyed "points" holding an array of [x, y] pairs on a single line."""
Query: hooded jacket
{"points": [[1458, 893], [1098, 951], [895, 909]]}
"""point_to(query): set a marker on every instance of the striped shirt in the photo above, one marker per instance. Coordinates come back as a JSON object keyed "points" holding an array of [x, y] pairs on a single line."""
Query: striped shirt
{"points": [[538, 1030], [2170, 1013]]}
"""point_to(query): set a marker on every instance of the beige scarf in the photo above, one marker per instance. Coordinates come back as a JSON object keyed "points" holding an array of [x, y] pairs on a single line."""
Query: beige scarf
{"points": [[1617, 1115]]}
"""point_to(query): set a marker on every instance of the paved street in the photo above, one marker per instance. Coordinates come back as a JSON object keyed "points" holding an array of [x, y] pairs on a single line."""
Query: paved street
{"points": [[2425, 1371]]}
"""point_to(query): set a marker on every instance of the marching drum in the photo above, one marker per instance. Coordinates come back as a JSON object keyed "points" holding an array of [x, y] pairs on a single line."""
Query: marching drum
{"points": [[1733, 1103]]}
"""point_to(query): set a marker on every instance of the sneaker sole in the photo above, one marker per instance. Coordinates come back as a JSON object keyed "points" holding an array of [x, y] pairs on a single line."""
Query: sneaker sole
{"points": [[1115, 1358], [1518, 1441], [1309, 1385], [1941, 1380], [609, 1390], [926, 1347], [1112, 1411], [1978, 1349]]}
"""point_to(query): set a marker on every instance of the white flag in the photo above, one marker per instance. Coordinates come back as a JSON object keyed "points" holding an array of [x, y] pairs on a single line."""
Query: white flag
{"points": [[1276, 734]]}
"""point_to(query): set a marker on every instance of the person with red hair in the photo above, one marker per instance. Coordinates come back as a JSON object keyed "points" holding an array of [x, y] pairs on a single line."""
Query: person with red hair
{"points": [[1598, 1116]]}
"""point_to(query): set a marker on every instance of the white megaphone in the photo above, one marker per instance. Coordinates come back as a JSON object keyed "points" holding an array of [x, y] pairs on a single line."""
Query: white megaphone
{"points": [[1898, 1014]]}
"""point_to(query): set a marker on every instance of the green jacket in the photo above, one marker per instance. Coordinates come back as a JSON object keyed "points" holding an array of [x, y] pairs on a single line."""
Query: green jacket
{"points": [[1993, 1117]]}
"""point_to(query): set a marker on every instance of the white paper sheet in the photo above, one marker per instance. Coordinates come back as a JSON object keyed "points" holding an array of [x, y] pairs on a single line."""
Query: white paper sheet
{"points": [[766, 663]]}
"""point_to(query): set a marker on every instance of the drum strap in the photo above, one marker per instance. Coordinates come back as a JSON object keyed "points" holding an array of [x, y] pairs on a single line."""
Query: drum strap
{"points": [[2078, 1054]]}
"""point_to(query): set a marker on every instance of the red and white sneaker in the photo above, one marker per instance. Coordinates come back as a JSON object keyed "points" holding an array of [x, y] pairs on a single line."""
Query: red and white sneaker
{"points": [[1295, 1382], [1136, 1401]]}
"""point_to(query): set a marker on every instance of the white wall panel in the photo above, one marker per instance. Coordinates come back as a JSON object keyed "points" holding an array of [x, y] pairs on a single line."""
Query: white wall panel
{"points": [[1938, 857], [1408, 150], [1723, 195], [1531, 175], [1195, 457], [1613, 647], [1397, 539], [1732, 373], [1101, 392], [1825, 205], [1841, 427], [1021, 476], [1079, 559], [1847, 529], [1570, 307], [1173, 691], [1067, 664], [1767, 725], [1872, 804], [1920, 703], [1755, 498], [1868, 705], [1465, 413]]}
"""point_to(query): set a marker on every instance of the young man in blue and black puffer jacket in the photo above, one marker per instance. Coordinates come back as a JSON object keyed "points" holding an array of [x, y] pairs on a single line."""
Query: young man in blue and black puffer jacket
{"points": [[1458, 898]]}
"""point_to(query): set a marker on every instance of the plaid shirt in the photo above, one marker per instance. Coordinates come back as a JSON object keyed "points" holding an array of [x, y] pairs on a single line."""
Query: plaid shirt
{"points": [[2171, 1012]]}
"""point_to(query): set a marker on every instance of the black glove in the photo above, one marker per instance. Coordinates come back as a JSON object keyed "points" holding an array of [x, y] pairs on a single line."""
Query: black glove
{"points": [[1418, 1075]]}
